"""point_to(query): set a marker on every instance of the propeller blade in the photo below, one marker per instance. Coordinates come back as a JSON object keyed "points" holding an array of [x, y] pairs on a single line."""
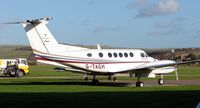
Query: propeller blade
{"points": [[176, 73], [174, 58], [11, 23], [173, 55], [14, 22]]}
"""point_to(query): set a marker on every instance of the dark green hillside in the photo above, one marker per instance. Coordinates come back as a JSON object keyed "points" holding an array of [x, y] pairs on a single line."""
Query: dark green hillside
{"points": [[14, 51]]}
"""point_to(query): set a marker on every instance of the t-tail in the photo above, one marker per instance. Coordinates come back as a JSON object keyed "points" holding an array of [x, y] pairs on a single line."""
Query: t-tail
{"points": [[42, 40]]}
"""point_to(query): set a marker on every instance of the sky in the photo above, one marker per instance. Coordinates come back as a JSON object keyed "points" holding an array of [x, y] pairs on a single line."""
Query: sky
{"points": [[117, 23]]}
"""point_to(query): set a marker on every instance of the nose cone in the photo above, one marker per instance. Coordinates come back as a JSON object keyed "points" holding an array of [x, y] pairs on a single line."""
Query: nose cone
{"points": [[171, 62]]}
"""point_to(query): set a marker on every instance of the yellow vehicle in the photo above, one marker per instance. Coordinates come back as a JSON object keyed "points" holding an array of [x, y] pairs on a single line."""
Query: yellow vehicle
{"points": [[14, 67]]}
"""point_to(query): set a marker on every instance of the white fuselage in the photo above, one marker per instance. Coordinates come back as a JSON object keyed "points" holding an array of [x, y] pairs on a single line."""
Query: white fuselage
{"points": [[102, 60]]}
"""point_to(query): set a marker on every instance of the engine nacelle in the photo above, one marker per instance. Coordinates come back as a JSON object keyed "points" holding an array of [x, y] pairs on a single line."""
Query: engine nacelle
{"points": [[164, 70]]}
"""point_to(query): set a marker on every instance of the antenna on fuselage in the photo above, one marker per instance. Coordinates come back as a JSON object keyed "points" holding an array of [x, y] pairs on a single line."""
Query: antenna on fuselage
{"points": [[98, 46]]}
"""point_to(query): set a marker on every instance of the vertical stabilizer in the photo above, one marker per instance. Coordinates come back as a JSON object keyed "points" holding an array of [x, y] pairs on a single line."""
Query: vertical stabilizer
{"points": [[39, 36]]}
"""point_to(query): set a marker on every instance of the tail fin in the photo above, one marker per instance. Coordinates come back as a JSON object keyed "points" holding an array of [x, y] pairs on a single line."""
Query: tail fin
{"points": [[39, 36]]}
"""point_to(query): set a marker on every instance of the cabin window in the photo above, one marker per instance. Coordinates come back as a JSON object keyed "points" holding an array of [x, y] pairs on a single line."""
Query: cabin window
{"points": [[131, 54], [142, 54], [89, 54], [100, 54], [125, 55], [115, 54], [109, 55], [120, 55]]}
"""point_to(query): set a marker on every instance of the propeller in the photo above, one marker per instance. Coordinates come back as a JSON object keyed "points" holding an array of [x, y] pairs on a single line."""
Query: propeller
{"points": [[12, 22], [30, 21], [176, 67]]}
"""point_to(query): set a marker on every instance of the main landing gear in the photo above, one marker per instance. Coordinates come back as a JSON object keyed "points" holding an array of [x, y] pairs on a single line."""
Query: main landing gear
{"points": [[94, 80], [139, 83], [110, 78], [85, 77]]}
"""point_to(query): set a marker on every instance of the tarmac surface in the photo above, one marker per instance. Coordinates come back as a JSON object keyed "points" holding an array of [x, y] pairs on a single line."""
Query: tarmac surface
{"points": [[123, 82], [173, 82], [132, 82], [149, 83]]}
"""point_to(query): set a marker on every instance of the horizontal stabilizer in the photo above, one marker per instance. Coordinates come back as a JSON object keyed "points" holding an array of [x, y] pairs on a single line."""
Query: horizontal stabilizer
{"points": [[34, 21]]}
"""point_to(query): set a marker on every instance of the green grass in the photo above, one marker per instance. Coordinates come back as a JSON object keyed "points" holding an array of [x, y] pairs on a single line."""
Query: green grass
{"points": [[73, 92], [9, 51], [78, 94], [46, 70]]}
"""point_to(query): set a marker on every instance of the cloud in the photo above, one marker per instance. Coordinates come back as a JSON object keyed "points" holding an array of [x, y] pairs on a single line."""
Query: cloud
{"points": [[85, 22], [176, 22], [91, 2], [171, 27], [171, 31], [163, 25], [99, 29], [160, 8], [138, 4]]}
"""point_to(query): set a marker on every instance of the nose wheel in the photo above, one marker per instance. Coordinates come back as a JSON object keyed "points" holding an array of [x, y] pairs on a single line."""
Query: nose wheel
{"points": [[160, 81], [139, 84]]}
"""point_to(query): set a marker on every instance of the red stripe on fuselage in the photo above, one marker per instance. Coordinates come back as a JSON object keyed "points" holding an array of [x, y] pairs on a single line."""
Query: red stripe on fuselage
{"points": [[44, 59]]}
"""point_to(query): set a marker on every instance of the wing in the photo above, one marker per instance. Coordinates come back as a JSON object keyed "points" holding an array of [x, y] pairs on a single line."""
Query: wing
{"points": [[158, 64], [165, 66], [163, 63]]}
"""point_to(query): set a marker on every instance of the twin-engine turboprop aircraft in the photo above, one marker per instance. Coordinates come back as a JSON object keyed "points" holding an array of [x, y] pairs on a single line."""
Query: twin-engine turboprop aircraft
{"points": [[92, 61]]}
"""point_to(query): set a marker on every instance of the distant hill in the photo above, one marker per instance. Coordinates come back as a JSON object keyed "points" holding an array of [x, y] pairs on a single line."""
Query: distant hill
{"points": [[14, 51]]}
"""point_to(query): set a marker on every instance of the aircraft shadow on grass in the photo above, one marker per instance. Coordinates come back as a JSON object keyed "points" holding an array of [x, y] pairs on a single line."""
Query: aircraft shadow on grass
{"points": [[122, 99], [68, 82]]}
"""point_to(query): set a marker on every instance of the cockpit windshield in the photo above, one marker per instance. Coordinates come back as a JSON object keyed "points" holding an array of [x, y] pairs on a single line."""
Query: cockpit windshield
{"points": [[143, 54]]}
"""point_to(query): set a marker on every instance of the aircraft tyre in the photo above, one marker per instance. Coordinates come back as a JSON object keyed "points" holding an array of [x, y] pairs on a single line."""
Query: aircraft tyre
{"points": [[86, 78], [109, 78], [160, 81], [95, 81], [139, 84], [114, 78]]}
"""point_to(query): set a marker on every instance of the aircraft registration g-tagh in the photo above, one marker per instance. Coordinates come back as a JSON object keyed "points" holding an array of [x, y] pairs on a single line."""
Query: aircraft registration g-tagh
{"points": [[93, 61]]}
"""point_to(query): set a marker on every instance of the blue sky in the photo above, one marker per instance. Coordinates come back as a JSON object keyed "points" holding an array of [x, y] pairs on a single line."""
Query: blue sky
{"points": [[118, 23]]}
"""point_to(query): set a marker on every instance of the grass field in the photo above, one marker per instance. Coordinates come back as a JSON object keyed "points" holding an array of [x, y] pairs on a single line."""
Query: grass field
{"points": [[9, 51], [73, 92]]}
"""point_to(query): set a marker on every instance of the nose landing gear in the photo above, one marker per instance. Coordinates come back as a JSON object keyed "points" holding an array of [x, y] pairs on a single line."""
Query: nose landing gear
{"points": [[161, 80]]}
